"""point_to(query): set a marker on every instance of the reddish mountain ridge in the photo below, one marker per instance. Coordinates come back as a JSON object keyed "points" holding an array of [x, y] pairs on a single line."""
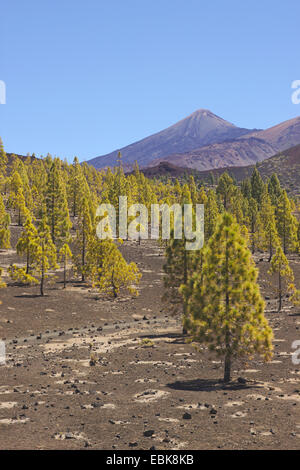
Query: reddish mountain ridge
{"points": [[246, 150]]}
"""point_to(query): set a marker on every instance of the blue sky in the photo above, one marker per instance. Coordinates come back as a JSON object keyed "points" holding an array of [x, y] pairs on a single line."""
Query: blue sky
{"points": [[87, 77]]}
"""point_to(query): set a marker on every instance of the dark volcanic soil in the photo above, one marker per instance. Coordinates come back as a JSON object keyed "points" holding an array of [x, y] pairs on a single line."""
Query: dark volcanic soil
{"points": [[164, 396]]}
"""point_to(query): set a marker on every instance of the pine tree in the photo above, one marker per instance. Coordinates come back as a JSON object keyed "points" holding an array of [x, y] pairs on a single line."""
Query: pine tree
{"points": [[27, 243], [177, 268], [114, 273], [281, 267], [267, 233], [3, 160], [45, 254], [225, 308], [193, 190], [225, 189], [286, 223], [56, 204], [246, 188], [83, 234], [257, 186], [64, 255], [253, 219], [4, 226], [274, 189], [75, 186], [202, 197], [211, 213], [16, 197]]}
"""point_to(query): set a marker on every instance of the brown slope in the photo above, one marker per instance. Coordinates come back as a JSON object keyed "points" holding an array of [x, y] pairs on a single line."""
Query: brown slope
{"points": [[249, 149], [283, 136], [285, 164], [231, 153]]}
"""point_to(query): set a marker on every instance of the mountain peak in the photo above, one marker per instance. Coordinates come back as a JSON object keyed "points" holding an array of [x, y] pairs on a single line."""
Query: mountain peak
{"points": [[200, 128]]}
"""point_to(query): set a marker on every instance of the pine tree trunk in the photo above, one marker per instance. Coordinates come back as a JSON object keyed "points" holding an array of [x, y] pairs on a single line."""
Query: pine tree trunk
{"points": [[184, 331], [43, 271], [284, 236], [64, 272], [253, 240], [227, 364], [280, 292], [27, 262], [83, 256], [270, 250], [227, 368], [74, 204], [114, 286], [42, 281]]}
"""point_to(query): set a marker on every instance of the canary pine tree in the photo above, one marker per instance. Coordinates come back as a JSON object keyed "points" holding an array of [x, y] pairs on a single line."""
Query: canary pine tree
{"points": [[3, 160], [224, 306], [56, 204], [253, 220], [45, 254], [225, 189], [114, 273], [257, 186], [211, 213], [177, 269], [178, 265], [83, 233], [193, 190], [65, 255], [17, 198], [75, 186], [286, 223], [274, 189], [267, 238], [4, 226], [281, 267], [27, 242]]}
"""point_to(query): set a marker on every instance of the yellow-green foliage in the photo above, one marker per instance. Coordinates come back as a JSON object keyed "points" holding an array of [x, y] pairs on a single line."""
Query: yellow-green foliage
{"points": [[114, 273], [286, 279], [19, 275], [4, 226], [224, 305], [147, 343]]}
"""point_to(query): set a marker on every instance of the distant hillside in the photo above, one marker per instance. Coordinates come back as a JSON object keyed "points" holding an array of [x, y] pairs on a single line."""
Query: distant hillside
{"points": [[238, 152], [166, 169], [249, 149], [197, 130], [286, 164]]}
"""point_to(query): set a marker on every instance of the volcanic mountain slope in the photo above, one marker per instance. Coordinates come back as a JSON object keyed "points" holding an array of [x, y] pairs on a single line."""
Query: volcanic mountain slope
{"points": [[285, 164], [197, 130], [245, 150]]}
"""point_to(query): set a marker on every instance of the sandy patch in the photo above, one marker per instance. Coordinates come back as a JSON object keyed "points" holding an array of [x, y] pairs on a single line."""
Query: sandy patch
{"points": [[7, 404], [150, 395]]}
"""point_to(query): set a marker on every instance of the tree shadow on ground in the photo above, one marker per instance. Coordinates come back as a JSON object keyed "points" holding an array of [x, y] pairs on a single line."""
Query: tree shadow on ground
{"points": [[179, 338], [207, 385], [30, 296], [163, 335]]}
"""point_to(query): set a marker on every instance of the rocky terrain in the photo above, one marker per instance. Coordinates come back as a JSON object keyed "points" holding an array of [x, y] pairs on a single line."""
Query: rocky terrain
{"points": [[148, 388], [246, 150]]}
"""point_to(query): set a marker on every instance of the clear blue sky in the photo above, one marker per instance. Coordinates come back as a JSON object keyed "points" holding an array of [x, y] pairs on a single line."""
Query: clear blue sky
{"points": [[86, 77]]}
